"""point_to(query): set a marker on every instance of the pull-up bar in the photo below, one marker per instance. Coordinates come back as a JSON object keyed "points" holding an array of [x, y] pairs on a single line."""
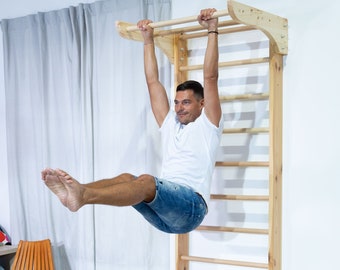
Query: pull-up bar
{"points": [[275, 27], [189, 19]]}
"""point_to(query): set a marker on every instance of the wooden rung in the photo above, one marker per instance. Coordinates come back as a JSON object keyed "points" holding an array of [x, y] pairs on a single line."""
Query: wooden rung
{"points": [[229, 64], [221, 32], [177, 21], [231, 229], [245, 130], [239, 197], [226, 262], [242, 163], [255, 96], [189, 29]]}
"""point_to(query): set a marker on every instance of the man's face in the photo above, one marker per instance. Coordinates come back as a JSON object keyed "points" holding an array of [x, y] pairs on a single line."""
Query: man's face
{"points": [[187, 107]]}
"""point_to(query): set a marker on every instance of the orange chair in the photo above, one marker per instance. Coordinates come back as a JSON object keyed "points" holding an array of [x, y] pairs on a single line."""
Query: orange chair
{"points": [[35, 255]]}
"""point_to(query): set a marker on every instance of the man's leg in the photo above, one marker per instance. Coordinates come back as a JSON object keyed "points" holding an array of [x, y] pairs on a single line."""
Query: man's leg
{"points": [[123, 190], [125, 177]]}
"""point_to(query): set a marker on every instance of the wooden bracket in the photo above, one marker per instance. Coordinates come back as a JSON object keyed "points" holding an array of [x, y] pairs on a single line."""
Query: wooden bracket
{"points": [[275, 27], [164, 42]]}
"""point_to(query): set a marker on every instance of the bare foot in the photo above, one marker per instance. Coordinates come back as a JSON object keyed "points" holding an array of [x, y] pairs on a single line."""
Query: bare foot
{"points": [[53, 182], [75, 190]]}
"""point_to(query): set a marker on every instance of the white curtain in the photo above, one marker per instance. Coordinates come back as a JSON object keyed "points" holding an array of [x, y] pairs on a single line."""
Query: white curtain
{"points": [[76, 99]]}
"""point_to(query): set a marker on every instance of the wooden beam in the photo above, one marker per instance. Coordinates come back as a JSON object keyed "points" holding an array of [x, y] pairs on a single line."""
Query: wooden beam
{"points": [[180, 59], [182, 249], [275, 27], [275, 157], [164, 43], [183, 20]]}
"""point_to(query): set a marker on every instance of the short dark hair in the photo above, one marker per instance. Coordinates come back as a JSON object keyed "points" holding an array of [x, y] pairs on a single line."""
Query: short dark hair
{"points": [[192, 85]]}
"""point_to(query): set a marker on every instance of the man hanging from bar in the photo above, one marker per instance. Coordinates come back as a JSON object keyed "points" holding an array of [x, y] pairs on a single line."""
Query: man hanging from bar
{"points": [[175, 202]]}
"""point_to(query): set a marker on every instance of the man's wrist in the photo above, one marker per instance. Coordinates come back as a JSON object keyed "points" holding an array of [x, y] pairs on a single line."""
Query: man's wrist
{"points": [[148, 42], [213, 32]]}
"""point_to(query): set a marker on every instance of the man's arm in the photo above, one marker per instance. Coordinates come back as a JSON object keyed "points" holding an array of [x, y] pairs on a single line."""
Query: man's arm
{"points": [[212, 106], [158, 97]]}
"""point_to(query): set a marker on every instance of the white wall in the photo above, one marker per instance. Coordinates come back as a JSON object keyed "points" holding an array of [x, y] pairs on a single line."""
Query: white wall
{"points": [[311, 176]]}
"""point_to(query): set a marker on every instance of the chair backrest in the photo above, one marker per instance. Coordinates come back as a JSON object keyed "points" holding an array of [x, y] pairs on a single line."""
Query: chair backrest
{"points": [[35, 255]]}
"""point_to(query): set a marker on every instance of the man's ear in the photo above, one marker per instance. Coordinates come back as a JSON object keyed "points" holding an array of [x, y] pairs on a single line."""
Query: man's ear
{"points": [[202, 102]]}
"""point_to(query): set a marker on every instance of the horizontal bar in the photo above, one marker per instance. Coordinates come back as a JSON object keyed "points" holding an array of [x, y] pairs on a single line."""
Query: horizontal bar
{"points": [[221, 31], [231, 229], [242, 163], [192, 29], [239, 197], [245, 130], [188, 19], [229, 64], [255, 96], [226, 262]]}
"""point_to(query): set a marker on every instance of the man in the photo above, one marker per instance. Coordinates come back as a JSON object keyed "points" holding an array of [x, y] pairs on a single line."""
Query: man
{"points": [[176, 202]]}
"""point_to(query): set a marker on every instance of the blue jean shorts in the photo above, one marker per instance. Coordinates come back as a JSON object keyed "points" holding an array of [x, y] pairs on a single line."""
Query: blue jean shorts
{"points": [[175, 208]]}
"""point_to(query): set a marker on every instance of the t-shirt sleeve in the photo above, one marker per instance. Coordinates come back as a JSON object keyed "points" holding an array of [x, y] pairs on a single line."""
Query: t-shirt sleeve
{"points": [[167, 120]]}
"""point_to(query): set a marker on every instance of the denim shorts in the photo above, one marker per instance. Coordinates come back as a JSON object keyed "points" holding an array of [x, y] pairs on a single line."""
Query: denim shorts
{"points": [[175, 209]]}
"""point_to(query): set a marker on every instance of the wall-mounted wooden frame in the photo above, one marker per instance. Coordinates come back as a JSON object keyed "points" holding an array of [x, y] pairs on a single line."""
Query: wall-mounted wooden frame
{"points": [[173, 42]]}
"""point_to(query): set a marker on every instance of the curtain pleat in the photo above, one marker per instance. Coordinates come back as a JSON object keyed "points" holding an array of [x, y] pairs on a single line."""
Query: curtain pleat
{"points": [[76, 99]]}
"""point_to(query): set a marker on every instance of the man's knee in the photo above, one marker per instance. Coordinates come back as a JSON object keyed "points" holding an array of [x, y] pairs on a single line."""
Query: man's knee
{"points": [[127, 177], [146, 179], [148, 184]]}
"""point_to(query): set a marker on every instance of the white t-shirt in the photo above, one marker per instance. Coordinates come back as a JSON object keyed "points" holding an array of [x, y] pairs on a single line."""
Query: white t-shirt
{"points": [[189, 152]]}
